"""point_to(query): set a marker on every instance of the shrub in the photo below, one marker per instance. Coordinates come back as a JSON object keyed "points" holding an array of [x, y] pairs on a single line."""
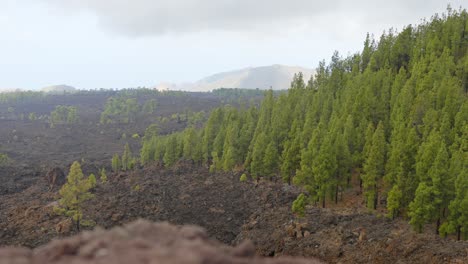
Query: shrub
{"points": [[298, 206], [92, 181], [103, 176], [243, 177], [4, 159]]}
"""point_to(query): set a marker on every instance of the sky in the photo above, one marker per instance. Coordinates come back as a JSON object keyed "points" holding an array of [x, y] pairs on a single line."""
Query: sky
{"points": [[92, 44]]}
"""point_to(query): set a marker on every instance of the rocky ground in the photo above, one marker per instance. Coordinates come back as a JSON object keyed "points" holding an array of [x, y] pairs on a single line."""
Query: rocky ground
{"points": [[231, 212], [142, 242]]}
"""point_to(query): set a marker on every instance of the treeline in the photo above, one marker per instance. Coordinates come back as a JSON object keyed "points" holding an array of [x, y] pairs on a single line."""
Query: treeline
{"points": [[125, 110], [62, 114], [394, 116], [240, 93], [30, 96], [21, 96]]}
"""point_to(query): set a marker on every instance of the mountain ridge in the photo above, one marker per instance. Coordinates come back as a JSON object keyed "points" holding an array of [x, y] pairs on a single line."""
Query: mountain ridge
{"points": [[276, 77]]}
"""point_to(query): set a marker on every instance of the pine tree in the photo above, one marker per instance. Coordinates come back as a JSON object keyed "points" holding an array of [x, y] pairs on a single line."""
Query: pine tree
{"points": [[73, 195], [210, 132], [344, 163], [190, 144], [262, 132], [305, 175], [394, 201], [170, 156], [429, 198], [441, 185], [421, 207], [147, 150], [324, 168], [366, 53], [270, 160], [216, 162], [374, 167], [291, 156], [245, 135], [127, 158], [257, 168], [116, 164], [103, 176], [92, 181], [231, 155], [457, 221]]}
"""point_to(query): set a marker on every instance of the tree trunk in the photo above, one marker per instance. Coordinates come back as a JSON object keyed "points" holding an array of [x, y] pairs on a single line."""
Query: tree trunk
{"points": [[323, 202], [336, 194], [437, 226], [376, 197], [458, 233]]}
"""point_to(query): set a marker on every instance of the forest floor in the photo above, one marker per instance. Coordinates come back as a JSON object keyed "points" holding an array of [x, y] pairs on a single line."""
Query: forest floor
{"points": [[231, 211]]}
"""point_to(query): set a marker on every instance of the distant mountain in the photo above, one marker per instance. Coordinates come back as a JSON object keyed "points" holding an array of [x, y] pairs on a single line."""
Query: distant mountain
{"points": [[59, 89], [277, 77]]}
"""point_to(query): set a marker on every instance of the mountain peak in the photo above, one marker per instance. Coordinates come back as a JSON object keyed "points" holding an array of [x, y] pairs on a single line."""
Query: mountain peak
{"points": [[59, 89], [275, 76]]}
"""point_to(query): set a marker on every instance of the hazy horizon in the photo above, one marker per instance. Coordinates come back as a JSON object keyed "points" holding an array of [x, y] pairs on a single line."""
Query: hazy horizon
{"points": [[116, 44]]}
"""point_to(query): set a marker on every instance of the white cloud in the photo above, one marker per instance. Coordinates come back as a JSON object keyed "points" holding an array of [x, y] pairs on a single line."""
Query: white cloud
{"points": [[155, 17]]}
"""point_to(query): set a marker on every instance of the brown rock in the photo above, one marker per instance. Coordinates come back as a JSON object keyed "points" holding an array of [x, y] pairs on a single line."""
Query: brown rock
{"points": [[290, 231], [56, 177], [116, 217], [362, 235], [141, 242], [298, 234], [64, 227], [15, 255]]}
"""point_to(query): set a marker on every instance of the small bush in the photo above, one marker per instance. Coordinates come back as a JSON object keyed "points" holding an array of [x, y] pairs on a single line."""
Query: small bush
{"points": [[88, 223], [92, 181], [4, 159], [243, 177], [103, 176], [212, 168], [298, 206]]}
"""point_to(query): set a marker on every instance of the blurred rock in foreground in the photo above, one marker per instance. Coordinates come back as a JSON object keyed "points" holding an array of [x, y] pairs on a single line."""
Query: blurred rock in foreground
{"points": [[141, 242]]}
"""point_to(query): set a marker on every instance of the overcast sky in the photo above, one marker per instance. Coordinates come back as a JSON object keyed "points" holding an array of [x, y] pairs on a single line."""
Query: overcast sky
{"points": [[129, 43]]}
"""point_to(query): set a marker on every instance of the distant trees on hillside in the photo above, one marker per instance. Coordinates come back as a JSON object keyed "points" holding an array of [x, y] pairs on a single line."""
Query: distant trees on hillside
{"points": [[125, 110], [127, 162], [64, 115], [120, 110]]}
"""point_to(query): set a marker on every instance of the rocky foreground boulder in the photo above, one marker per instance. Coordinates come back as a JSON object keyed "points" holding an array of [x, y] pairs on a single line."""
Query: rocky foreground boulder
{"points": [[141, 242]]}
